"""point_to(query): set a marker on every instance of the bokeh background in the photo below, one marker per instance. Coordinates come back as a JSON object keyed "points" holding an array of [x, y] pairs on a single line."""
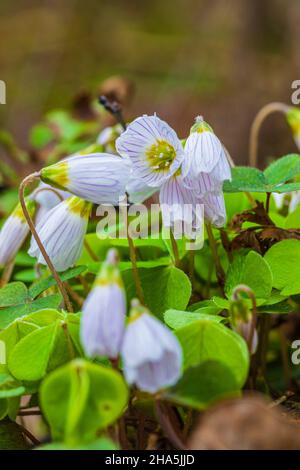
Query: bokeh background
{"points": [[222, 59]]}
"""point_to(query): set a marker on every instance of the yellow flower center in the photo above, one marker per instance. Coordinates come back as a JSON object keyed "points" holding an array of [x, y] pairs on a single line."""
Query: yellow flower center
{"points": [[161, 155], [79, 206], [56, 175]]}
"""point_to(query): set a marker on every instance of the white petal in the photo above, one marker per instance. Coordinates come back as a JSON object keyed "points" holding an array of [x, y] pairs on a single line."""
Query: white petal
{"points": [[139, 344], [12, 236], [62, 233], [49, 197], [99, 178], [140, 135], [295, 200], [138, 191], [214, 209], [176, 202], [103, 321], [205, 154]]}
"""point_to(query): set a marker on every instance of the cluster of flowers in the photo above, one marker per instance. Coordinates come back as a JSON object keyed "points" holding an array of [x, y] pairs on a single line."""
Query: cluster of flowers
{"points": [[151, 354], [150, 157]]}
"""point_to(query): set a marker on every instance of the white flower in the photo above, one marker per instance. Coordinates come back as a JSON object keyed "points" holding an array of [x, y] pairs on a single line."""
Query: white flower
{"points": [[14, 232], [138, 191], [295, 201], [99, 178], [152, 355], [206, 154], [214, 209], [154, 149], [103, 319], [179, 205], [62, 233]]}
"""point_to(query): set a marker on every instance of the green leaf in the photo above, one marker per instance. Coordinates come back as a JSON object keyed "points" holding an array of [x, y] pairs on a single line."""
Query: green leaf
{"points": [[9, 386], [204, 384], [251, 270], [279, 308], [164, 288], [176, 318], [208, 340], [284, 261], [40, 286], [41, 351], [12, 294], [8, 315], [273, 179], [283, 169], [81, 398], [205, 306]]}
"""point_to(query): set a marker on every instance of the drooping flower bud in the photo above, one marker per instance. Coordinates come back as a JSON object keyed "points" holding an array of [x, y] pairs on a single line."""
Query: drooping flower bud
{"points": [[152, 355], [103, 319], [14, 232], [99, 178], [62, 232], [242, 318], [206, 155]]}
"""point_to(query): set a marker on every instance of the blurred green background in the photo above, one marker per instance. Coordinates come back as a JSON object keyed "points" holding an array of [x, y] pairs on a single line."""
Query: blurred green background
{"points": [[222, 59]]}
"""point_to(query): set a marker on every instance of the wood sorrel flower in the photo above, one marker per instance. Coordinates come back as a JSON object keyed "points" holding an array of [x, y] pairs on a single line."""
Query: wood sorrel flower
{"points": [[14, 232], [206, 156], [103, 319], [154, 149], [152, 355], [214, 208], [62, 232], [99, 177]]}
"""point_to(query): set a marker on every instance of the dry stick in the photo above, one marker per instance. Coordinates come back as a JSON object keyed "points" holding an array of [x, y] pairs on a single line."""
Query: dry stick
{"points": [[213, 246], [30, 223], [116, 110], [30, 436], [163, 414], [256, 125]]}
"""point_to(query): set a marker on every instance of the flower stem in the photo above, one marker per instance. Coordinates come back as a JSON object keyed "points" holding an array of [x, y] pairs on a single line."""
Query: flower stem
{"points": [[268, 202], [256, 125], [30, 223], [175, 249], [135, 271], [214, 250], [7, 272]]}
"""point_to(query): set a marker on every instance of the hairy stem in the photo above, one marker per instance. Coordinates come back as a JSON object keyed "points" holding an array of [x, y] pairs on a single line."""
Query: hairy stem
{"points": [[30, 223]]}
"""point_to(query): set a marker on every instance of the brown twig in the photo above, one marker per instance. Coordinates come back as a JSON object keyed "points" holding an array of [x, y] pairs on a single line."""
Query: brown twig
{"points": [[59, 282]]}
